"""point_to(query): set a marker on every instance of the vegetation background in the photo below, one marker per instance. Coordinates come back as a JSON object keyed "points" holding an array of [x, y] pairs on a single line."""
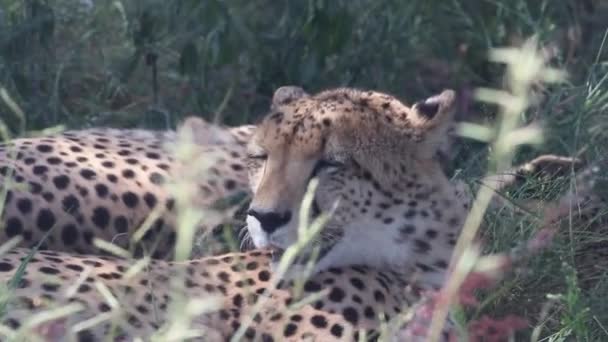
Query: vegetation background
{"points": [[149, 63]]}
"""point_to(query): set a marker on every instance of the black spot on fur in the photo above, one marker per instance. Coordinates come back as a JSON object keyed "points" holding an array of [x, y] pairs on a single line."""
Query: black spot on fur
{"points": [[250, 333], [35, 188], [150, 200], [351, 315], [336, 294], [128, 173], [69, 234], [101, 190], [369, 312], [14, 227], [53, 160], [107, 164], [130, 199], [152, 155], [48, 196], [357, 283], [312, 286], [27, 161], [45, 220], [170, 204], [441, 264], [379, 296], [290, 330], [236, 167], [230, 184], [44, 148], [264, 275], [70, 204], [424, 268], [121, 224], [407, 229], [87, 174], [48, 270], [101, 217], [61, 182], [39, 169], [224, 276], [75, 267], [24, 205], [237, 300], [421, 246], [93, 263], [275, 317], [50, 287], [319, 321], [336, 330], [5, 267], [88, 236], [157, 178], [277, 117]]}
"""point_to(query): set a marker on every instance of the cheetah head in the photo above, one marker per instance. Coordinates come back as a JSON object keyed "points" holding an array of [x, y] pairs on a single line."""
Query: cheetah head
{"points": [[374, 158]]}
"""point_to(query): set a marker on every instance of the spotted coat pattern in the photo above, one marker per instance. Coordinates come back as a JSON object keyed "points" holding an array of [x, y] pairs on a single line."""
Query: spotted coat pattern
{"points": [[348, 301], [103, 183]]}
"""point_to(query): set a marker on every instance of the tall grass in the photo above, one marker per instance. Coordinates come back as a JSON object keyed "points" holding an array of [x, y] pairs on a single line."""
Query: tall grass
{"points": [[524, 67], [150, 62]]}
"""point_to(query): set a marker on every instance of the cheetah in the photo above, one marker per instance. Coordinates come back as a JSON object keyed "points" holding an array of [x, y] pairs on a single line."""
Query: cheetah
{"points": [[392, 206], [350, 297], [389, 237], [80, 185], [339, 304]]}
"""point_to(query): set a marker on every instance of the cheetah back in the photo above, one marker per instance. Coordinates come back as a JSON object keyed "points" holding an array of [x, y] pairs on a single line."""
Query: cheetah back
{"points": [[103, 183]]}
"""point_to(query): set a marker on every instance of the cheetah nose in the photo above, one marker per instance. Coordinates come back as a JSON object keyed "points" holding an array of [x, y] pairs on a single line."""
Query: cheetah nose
{"points": [[270, 221]]}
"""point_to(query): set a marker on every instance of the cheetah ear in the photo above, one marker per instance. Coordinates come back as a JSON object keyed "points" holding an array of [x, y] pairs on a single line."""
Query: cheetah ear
{"points": [[432, 119], [201, 132], [286, 94]]}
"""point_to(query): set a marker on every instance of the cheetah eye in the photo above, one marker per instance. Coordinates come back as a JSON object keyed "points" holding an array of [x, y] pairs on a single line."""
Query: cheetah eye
{"points": [[326, 164], [323, 163], [257, 156]]}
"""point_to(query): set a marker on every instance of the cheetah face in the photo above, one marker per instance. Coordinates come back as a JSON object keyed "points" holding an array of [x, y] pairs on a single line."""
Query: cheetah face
{"points": [[374, 159]]}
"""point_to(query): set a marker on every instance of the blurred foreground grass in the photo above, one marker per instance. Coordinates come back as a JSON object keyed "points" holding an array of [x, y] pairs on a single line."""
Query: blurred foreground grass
{"points": [[150, 63]]}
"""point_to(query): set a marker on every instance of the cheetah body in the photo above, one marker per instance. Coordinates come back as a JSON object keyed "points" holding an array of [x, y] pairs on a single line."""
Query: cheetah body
{"points": [[374, 150], [348, 300], [104, 183]]}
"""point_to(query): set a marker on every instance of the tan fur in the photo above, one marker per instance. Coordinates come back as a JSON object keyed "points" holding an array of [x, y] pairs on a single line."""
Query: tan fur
{"points": [[391, 191], [397, 213], [348, 299], [103, 183]]}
